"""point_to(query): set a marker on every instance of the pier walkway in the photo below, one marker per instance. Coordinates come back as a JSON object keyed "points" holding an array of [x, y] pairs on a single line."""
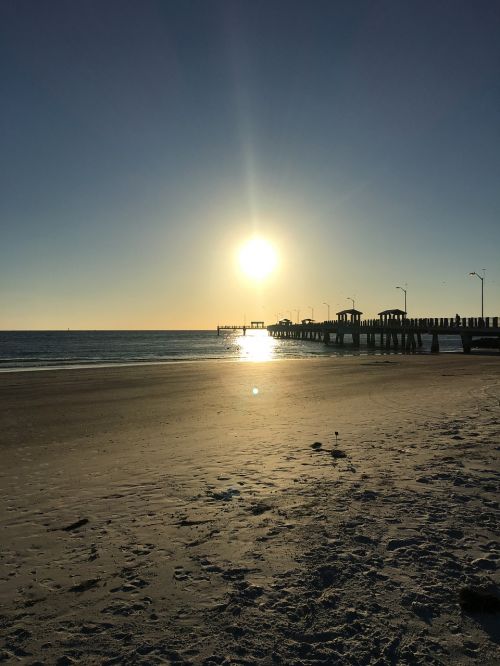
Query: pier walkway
{"points": [[401, 333]]}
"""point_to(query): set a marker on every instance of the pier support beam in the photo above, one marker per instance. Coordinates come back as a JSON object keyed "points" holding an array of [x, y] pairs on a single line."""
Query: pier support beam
{"points": [[466, 342], [435, 343]]}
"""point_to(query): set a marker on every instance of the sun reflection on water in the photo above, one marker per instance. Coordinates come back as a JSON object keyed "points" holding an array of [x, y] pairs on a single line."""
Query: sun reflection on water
{"points": [[256, 346]]}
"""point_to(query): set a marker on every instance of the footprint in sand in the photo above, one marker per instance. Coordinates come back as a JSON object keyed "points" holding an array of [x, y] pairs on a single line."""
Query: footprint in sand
{"points": [[182, 574]]}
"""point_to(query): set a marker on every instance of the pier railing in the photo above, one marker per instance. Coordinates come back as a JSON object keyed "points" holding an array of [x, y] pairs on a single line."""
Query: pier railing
{"points": [[422, 323]]}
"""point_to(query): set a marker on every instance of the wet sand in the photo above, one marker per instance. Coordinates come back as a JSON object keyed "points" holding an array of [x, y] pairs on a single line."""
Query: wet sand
{"points": [[170, 514]]}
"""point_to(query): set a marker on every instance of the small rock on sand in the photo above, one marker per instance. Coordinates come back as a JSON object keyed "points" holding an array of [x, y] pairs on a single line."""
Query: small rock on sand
{"points": [[85, 585]]}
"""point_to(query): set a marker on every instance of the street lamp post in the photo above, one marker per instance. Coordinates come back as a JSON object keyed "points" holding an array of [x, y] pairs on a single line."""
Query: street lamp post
{"points": [[328, 306], [403, 289], [351, 299], [312, 311], [482, 289]]}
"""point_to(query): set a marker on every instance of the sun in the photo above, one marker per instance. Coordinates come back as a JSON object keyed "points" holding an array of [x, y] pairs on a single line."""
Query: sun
{"points": [[257, 258]]}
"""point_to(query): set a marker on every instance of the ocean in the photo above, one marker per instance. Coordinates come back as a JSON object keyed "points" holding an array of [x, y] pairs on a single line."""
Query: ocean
{"points": [[29, 350]]}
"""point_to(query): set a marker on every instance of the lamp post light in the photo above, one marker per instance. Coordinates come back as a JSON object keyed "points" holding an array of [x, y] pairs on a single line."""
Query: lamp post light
{"points": [[328, 306], [405, 290], [482, 289], [351, 299]]}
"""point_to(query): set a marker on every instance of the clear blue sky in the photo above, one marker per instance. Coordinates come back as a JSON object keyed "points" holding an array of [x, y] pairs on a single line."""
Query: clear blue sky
{"points": [[142, 142]]}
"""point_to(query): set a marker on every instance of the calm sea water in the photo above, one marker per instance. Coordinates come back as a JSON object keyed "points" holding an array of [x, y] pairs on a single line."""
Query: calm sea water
{"points": [[46, 349]]}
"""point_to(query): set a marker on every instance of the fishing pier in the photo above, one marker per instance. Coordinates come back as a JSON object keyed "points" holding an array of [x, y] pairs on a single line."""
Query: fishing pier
{"points": [[254, 326], [392, 331]]}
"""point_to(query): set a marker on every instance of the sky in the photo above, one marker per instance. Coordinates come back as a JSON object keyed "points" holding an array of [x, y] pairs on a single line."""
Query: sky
{"points": [[142, 143]]}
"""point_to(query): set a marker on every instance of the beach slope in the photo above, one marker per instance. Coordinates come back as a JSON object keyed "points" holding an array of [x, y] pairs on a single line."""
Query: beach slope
{"points": [[208, 512]]}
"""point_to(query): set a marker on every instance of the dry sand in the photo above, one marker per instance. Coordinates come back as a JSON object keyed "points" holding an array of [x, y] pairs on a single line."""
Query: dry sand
{"points": [[167, 514]]}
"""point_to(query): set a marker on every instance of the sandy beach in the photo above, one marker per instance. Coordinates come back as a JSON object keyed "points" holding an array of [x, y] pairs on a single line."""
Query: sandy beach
{"points": [[182, 514]]}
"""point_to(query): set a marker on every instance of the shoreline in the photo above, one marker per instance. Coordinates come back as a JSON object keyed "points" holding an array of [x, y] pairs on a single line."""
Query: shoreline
{"points": [[54, 350], [344, 354]]}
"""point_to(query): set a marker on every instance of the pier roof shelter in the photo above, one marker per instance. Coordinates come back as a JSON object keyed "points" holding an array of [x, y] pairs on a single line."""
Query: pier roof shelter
{"points": [[390, 315], [284, 322], [349, 315], [308, 321]]}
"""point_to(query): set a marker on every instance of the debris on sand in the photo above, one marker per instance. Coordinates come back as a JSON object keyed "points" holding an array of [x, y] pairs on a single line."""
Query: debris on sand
{"points": [[187, 522], [338, 453], [316, 446], [75, 526], [225, 495], [474, 600]]}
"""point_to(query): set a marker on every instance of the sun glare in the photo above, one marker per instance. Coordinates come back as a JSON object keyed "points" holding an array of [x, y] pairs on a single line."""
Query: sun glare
{"points": [[256, 346], [257, 258]]}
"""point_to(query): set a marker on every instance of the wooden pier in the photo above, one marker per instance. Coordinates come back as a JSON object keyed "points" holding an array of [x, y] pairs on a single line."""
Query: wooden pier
{"points": [[393, 333], [254, 326]]}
